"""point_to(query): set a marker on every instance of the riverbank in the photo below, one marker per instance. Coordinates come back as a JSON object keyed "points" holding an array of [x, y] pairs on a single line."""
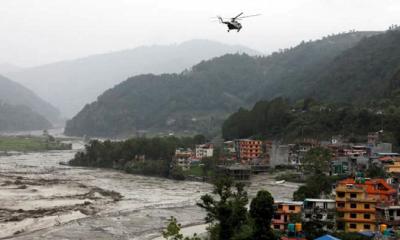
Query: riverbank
{"points": [[31, 144]]}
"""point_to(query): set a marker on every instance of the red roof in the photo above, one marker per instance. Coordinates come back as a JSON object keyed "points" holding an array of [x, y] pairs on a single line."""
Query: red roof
{"points": [[371, 186]]}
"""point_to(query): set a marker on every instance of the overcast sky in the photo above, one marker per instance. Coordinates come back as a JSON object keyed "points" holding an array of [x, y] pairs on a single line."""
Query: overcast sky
{"points": [[35, 32]]}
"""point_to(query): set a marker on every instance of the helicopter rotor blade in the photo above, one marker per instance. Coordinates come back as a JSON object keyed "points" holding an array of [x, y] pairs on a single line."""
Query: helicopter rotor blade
{"points": [[255, 15], [240, 14]]}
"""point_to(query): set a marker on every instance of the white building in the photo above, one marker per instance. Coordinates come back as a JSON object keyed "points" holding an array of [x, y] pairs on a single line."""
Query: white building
{"points": [[204, 150], [321, 210]]}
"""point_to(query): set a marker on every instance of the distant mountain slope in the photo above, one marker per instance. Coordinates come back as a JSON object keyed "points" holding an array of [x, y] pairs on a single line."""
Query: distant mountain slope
{"points": [[7, 68], [20, 118], [199, 100], [16, 94], [70, 85]]}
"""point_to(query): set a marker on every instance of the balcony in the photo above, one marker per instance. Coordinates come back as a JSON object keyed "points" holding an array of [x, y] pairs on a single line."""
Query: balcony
{"points": [[358, 220], [356, 210]]}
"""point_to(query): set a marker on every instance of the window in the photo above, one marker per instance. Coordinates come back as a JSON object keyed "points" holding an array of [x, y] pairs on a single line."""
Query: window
{"points": [[353, 195], [353, 205], [353, 226], [277, 216], [367, 216], [292, 208], [276, 227], [341, 205], [280, 207], [329, 216], [398, 213], [366, 206], [367, 226], [340, 226], [353, 215], [341, 194], [325, 205]]}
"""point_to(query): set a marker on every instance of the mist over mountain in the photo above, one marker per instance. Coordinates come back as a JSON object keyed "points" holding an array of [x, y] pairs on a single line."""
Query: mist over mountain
{"points": [[21, 109], [200, 99], [69, 85]]}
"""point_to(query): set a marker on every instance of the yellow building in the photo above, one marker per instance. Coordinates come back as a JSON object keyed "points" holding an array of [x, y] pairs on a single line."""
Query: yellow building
{"points": [[283, 211], [356, 203], [393, 168]]}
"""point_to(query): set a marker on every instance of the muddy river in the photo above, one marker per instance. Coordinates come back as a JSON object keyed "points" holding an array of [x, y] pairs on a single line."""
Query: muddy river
{"points": [[41, 199]]}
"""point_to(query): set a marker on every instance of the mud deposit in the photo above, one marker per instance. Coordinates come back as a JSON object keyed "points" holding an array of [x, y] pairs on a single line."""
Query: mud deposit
{"points": [[41, 199]]}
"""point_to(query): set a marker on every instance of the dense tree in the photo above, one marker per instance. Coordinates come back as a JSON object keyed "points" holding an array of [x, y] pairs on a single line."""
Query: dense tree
{"points": [[317, 160], [173, 231], [277, 119], [228, 214], [149, 156], [261, 212], [316, 186]]}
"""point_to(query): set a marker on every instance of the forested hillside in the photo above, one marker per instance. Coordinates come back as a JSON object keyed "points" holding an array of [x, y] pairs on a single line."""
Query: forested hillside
{"points": [[279, 119], [16, 94], [199, 100], [20, 118], [69, 85]]}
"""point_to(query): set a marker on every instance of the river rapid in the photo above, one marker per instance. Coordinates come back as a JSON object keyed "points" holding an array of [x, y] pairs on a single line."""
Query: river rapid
{"points": [[41, 199]]}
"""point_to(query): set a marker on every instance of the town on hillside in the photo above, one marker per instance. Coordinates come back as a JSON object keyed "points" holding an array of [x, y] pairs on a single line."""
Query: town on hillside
{"points": [[355, 203]]}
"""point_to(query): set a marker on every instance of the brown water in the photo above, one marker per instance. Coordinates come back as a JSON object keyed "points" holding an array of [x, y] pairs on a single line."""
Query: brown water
{"points": [[41, 199]]}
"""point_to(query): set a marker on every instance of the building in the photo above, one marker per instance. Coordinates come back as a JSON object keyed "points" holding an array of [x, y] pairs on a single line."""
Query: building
{"points": [[229, 151], [298, 150], [283, 211], [247, 150], [204, 150], [356, 202], [278, 155], [183, 158], [184, 153], [389, 215], [321, 210], [393, 167], [236, 172]]}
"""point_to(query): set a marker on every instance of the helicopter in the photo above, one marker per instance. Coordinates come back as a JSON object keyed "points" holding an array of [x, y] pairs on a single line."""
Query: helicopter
{"points": [[234, 24]]}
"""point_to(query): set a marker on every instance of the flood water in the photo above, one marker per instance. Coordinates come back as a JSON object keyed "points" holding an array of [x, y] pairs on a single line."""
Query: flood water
{"points": [[41, 199]]}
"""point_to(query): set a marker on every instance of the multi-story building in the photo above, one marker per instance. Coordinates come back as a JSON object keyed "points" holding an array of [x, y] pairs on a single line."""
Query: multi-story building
{"points": [[247, 149], [183, 157], [320, 210], [283, 211], [389, 215], [356, 202], [204, 150]]}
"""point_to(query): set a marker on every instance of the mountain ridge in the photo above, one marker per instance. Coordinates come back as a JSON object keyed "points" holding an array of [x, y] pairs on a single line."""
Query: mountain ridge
{"points": [[70, 84], [199, 99]]}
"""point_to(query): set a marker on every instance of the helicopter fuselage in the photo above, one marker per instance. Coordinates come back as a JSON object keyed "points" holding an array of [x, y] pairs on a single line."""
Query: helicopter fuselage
{"points": [[233, 25]]}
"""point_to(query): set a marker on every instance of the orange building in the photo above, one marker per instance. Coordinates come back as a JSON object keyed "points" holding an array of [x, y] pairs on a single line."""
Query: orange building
{"points": [[247, 149], [356, 202], [282, 214]]}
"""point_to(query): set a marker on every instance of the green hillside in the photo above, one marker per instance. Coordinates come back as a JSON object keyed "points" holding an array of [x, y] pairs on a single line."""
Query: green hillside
{"points": [[200, 99]]}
